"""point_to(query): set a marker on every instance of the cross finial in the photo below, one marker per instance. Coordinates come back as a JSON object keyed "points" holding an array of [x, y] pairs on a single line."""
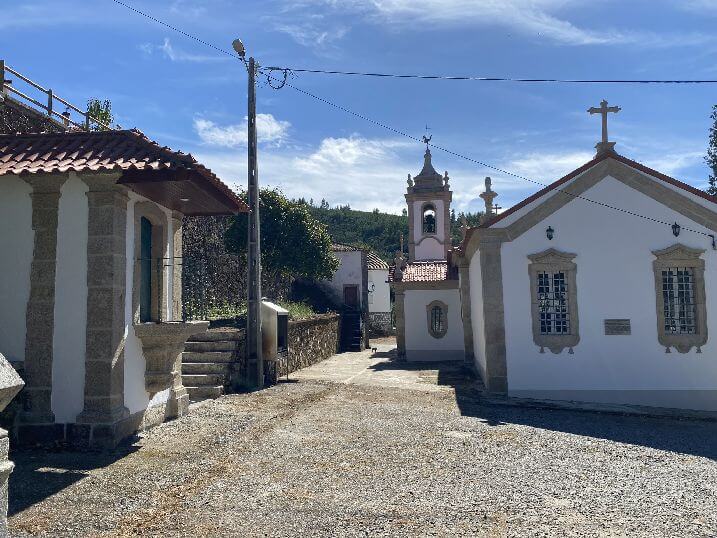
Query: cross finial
{"points": [[604, 145], [488, 196]]}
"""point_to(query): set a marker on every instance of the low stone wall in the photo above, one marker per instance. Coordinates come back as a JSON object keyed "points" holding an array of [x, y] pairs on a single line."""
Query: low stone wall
{"points": [[311, 341], [380, 324]]}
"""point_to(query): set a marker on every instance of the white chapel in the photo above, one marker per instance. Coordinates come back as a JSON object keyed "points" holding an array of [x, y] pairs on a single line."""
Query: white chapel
{"points": [[600, 288]]}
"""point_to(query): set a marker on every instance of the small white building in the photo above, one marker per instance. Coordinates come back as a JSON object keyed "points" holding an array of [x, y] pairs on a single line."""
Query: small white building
{"points": [[379, 296], [91, 309], [600, 288]]}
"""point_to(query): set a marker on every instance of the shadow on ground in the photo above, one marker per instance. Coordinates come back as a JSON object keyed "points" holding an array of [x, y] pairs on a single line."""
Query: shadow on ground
{"points": [[38, 474], [685, 436]]}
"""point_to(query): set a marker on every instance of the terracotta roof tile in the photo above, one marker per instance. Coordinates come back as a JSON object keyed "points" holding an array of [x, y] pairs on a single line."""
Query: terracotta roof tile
{"points": [[374, 262], [425, 272], [99, 151]]}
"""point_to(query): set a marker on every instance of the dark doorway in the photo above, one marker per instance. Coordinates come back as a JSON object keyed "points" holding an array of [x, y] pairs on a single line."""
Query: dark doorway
{"points": [[145, 264], [351, 296]]}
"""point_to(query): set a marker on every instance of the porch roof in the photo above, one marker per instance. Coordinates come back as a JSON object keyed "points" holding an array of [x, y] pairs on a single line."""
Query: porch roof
{"points": [[170, 178]]}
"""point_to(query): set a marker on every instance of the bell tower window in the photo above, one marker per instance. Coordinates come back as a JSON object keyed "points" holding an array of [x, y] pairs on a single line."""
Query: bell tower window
{"points": [[429, 219]]}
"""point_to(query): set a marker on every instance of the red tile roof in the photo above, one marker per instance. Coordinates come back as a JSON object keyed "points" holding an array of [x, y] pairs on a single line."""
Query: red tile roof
{"points": [[129, 152], [341, 247], [435, 271], [374, 262]]}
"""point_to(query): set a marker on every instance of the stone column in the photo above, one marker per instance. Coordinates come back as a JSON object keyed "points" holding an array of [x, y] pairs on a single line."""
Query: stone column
{"points": [[10, 385], [465, 292], [400, 322], [106, 294], [176, 266], [496, 375], [40, 313]]}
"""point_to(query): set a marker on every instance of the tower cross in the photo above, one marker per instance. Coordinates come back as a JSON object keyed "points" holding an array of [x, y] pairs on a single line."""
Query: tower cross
{"points": [[604, 110]]}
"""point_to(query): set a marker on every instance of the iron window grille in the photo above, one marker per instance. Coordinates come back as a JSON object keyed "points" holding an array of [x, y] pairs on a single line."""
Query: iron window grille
{"points": [[678, 296], [553, 303], [437, 319]]}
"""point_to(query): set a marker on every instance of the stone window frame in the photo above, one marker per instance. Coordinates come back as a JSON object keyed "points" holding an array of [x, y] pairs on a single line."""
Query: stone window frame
{"points": [[444, 309], [553, 261], [160, 229], [424, 206], [679, 255]]}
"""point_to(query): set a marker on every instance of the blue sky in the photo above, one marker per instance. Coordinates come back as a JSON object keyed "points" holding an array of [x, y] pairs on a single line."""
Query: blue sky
{"points": [[189, 97]]}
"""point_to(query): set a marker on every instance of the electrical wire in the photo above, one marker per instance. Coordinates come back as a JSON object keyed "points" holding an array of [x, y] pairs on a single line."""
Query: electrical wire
{"points": [[497, 79], [268, 72]]}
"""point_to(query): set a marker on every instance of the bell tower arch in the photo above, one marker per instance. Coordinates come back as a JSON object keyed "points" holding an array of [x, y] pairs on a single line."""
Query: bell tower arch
{"points": [[429, 208]]}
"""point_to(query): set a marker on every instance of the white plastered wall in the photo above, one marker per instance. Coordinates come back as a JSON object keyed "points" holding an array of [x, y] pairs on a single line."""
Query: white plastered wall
{"points": [[429, 247], [420, 345], [136, 397], [16, 245], [614, 281], [348, 273], [70, 334], [379, 300]]}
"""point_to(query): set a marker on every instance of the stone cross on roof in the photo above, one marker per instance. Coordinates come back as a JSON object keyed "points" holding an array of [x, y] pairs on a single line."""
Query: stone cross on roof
{"points": [[604, 145], [488, 197]]}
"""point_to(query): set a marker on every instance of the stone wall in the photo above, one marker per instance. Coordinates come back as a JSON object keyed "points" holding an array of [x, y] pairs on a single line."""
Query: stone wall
{"points": [[380, 324], [311, 341]]}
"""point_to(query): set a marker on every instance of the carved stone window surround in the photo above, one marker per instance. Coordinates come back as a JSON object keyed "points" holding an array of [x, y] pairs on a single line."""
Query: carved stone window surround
{"points": [[444, 312], [679, 255], [554, 261]]}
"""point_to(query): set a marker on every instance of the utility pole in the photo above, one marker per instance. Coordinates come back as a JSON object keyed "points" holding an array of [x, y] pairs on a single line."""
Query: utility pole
{"points": [[255, 362]]}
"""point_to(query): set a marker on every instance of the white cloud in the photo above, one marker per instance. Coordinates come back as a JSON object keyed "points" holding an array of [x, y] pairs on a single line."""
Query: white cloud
{"points": [[536, 18], [312, 35], [268, 130], [172, 53]]}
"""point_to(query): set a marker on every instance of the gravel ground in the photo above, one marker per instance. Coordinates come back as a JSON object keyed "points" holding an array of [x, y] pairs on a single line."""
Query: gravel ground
{"points": [[412, 453]]}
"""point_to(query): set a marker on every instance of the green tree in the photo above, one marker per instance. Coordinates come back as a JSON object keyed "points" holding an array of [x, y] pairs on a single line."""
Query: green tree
{"points": [[102, 111], [711, 158], [293, 242]]}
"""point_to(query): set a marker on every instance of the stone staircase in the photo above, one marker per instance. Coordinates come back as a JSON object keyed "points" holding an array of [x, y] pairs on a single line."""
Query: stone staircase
{"points": [[208, 362]]}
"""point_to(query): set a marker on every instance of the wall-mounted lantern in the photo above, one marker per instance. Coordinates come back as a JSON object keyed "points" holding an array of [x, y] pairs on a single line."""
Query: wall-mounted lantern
{"points": [[676, 229], [549, 233]]}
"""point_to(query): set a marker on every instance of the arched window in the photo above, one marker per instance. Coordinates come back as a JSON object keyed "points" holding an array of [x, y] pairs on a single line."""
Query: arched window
{"points": [[437, 319], [429, 219]]}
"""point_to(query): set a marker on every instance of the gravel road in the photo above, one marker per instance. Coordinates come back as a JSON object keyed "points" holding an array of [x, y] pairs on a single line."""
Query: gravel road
{"points": [[380, 451]]}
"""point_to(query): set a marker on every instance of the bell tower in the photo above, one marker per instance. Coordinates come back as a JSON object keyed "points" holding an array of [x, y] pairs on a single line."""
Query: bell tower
{"points": [[429, 204]]}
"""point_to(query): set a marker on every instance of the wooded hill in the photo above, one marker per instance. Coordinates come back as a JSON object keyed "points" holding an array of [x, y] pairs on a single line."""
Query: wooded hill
{"points": [[381, 232]]}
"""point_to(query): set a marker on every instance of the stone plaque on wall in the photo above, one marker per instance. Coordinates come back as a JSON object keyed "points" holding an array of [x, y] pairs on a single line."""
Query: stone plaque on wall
{"points": [[617, 327]]}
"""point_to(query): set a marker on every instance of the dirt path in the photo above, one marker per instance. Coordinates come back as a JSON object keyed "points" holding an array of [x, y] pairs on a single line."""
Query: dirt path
{"points": [[362, 446]]}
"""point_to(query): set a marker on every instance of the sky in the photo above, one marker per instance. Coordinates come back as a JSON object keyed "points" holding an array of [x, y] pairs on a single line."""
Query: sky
{"points": [[190, 97]]}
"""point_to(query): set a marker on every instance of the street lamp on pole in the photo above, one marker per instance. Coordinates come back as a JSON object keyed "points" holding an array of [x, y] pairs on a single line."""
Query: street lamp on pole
{"points": [[255, 362]]}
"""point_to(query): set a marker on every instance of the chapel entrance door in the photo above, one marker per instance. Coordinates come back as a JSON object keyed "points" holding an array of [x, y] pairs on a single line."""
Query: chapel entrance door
{"points": [[145, 264], [351, 296]]}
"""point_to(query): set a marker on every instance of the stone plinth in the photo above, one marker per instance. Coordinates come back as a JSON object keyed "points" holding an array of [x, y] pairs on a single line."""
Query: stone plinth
{"points": [[162, 344], [10, 385]]}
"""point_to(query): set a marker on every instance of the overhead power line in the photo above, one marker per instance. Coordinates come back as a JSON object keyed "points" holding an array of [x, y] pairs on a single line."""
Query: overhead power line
{"points": [[496, 79], [268, 72]]}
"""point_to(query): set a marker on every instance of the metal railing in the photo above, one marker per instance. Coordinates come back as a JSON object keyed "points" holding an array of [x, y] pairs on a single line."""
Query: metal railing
{"points": [[51, 104]]}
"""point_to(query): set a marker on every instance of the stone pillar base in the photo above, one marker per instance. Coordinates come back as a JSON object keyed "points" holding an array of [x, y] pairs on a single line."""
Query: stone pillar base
{"points": [[178, 404], [6, 468]]}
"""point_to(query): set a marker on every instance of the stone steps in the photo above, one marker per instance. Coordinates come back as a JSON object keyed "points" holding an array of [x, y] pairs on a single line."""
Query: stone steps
{"points": [[207, 363], [205, 392], [193, 368], [208, 356], [203, 380], [204, 347], [217, 336]]}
